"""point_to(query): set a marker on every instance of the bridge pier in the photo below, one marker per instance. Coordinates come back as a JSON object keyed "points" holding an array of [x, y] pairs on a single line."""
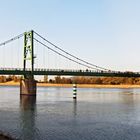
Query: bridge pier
{"points": [[28, 87]]}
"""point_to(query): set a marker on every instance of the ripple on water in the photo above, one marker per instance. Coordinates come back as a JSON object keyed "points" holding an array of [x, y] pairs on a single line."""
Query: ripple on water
{"points": [[99, 114]]}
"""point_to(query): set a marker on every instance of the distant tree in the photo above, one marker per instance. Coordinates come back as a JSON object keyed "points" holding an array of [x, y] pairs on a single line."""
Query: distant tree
{"points": [[9, 78], [57, 79], [51, 81], [46, 78], [2, 79]]}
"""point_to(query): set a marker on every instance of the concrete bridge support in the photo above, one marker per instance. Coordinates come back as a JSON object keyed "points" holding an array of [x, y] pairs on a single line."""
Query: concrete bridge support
{"points": [[28, 87]]}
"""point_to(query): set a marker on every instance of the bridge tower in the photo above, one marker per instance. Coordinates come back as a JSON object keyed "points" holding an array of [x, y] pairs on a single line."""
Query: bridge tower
{"points": [[28, 83]]}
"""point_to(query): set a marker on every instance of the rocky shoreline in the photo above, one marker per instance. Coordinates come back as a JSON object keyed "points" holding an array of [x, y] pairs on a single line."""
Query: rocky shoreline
{"points": [[4, 136]]}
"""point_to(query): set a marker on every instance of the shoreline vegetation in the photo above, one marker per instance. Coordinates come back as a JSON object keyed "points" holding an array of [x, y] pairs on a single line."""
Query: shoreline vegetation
{"points": [[12, 83], [82, 82]]}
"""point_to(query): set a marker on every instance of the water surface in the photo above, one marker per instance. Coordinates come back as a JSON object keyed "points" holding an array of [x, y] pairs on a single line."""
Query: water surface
{"points": [[97, 114]]}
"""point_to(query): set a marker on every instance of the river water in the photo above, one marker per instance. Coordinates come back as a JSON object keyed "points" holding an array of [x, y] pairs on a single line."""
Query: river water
{"points": [[97, 114]]}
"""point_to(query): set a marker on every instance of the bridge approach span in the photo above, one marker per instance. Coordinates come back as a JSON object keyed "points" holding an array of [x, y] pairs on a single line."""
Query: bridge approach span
{"points": [[15, 71]]}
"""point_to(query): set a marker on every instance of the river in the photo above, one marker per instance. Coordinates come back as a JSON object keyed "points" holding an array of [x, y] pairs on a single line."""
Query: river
{"points": [[97, 114]]}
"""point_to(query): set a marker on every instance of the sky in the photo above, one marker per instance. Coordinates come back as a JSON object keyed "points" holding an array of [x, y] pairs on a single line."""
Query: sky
{"points": [[103, 32]]}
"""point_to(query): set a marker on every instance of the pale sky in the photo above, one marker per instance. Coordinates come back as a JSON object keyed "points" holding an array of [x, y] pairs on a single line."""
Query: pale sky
{"points": [[103, 32]]}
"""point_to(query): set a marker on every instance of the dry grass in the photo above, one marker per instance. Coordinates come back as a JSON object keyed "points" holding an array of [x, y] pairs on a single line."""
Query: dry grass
{"points": [[12, 83]]}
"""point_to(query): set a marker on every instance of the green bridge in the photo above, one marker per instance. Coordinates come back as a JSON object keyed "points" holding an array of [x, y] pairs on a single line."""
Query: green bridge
{"points": [[63, 72], [28, 83]]}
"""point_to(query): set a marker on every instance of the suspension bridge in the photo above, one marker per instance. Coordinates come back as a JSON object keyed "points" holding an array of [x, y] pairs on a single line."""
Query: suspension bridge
{"points": [[36, 52]]}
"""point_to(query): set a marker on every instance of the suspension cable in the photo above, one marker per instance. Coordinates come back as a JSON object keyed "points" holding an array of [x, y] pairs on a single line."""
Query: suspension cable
{"points": [[12, 39], [64, 55], [71, 54]]}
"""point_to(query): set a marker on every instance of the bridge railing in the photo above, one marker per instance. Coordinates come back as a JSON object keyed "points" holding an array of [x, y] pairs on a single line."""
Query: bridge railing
{"points": [[67, 70]]}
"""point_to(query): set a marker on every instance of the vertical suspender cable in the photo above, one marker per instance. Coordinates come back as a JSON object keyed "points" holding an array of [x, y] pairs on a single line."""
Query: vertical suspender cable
{"points": [[68, 54], [4, 56], [48, 58], [43, 57], [18, 52]]}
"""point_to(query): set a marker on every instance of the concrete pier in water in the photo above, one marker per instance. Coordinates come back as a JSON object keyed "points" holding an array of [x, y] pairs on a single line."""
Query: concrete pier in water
{"points": [[28, 87]]}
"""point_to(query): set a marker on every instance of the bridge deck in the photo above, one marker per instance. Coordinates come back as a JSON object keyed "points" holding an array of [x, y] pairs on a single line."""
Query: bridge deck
{"points": [[14, 71]]}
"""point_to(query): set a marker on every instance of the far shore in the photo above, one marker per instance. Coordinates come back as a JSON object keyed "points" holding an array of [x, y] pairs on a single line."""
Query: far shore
{"points": [[12, 83]]}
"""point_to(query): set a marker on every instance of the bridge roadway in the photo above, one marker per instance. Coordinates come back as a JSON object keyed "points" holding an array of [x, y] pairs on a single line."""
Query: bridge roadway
{"points": [[20, 71]]}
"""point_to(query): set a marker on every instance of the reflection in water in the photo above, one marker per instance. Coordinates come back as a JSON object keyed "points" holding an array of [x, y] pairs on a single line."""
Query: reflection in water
{"points": [[75, 107], [28, 115], [128, 99], [96, 114]]}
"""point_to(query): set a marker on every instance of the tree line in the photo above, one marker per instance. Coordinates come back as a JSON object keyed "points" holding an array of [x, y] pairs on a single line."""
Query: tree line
{"points": [[79, 80], [95, 80], [9, 78]]}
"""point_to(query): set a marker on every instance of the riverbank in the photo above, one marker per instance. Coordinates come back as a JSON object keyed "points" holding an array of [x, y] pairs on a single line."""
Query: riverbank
{"points": [[89, 85], [11, 83], [5, 137]]}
